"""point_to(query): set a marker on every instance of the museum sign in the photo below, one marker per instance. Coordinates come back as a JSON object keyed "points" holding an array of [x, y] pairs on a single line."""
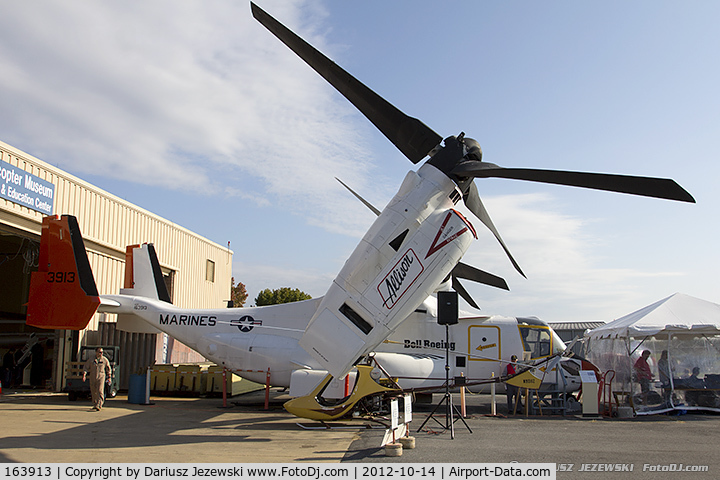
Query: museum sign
{"points": [[26, 189]]}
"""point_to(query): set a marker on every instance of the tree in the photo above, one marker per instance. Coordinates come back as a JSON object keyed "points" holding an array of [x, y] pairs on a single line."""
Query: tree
{"points": [[280, 295], [238, 293]]}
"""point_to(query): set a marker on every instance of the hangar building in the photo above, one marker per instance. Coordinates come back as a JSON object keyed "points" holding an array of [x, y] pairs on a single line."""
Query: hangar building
{"points": [[197, 271]]}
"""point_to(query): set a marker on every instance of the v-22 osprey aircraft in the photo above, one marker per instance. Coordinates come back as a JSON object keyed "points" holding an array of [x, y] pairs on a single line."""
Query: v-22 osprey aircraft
{"points": [[254, 341], [414, 247]]}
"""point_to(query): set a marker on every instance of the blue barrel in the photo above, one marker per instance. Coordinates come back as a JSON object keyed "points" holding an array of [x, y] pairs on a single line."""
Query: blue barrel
{"points": [[136, 389]]}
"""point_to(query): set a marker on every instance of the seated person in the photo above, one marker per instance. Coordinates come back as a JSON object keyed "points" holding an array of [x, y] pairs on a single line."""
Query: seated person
{"points": [[693, 383]]}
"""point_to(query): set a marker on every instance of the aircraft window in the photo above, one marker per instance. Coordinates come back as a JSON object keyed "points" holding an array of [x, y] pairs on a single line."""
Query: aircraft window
{"points": [[536, 340], [356, 319], [460, 362], [558, 346], [571, 369]]}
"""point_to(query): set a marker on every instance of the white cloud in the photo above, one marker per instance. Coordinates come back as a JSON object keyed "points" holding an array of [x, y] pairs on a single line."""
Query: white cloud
{"points": [[561, 256], [187, 96]]}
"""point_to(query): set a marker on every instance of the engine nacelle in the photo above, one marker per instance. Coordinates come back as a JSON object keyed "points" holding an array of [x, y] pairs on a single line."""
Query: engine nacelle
{"points": [[400, 261]]}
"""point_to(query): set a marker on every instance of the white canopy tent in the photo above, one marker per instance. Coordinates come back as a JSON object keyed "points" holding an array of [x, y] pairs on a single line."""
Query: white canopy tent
{"points": [[688, 329]]}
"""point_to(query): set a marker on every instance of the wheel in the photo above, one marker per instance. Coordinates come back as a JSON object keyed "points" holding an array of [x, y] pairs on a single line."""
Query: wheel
{"points": [[72, 396], [110, 392]]}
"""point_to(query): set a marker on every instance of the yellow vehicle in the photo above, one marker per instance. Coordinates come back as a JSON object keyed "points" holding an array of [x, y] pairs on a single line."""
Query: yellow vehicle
{"points": [[315, 407]]}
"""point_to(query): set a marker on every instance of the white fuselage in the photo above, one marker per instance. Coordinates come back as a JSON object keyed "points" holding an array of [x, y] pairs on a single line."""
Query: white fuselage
{"points": [[254, 341], [248, 341]]}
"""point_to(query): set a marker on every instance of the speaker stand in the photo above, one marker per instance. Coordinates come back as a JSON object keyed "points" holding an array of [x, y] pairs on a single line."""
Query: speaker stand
{"points": [[450, 410]]}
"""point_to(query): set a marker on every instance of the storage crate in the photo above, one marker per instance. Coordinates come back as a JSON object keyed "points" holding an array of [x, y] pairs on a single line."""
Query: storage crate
{"points": [[162, 379]]}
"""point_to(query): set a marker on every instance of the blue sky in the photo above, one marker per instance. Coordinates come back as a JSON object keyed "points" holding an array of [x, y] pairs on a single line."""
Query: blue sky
{"points": [[194, 111]]}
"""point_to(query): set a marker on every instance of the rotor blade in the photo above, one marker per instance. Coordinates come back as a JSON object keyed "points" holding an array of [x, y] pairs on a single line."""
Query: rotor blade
{"points": [[468, 272], [475, 205], [365, 202], [645, 186], [412, 137], [457, 286]]}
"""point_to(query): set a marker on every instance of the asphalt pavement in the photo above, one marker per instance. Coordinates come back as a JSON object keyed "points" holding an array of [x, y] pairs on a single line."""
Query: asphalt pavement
{"points": [[42, 427]]}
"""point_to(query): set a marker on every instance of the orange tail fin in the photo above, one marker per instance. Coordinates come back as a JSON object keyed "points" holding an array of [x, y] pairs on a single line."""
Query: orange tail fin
{"points": [[63, 294]]}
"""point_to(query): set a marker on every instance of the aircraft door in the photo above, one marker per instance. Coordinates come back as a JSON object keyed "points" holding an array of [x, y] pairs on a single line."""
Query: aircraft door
{"points": [[484, 350]]}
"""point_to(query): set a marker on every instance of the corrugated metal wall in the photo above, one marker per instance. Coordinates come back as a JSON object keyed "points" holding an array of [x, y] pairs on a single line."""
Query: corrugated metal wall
{"points": [[137, 350], [109, 224]]}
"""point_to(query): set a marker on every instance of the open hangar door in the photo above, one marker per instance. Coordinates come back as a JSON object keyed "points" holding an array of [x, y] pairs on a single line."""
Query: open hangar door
{"points": [[27, 353], [107, 222]]}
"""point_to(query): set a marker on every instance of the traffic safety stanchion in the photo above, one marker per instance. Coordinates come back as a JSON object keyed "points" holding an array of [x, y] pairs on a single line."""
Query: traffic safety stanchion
{"points": [[267, 390], [224, 381]]}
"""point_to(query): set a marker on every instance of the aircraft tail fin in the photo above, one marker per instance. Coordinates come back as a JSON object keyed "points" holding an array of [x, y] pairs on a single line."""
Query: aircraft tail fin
{"points": [[63, 294], [143, 276]]}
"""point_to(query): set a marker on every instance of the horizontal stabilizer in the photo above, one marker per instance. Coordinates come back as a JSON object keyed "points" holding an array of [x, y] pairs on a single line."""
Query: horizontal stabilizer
{"points": [[63, 294], [108, 302], [134, 324]]}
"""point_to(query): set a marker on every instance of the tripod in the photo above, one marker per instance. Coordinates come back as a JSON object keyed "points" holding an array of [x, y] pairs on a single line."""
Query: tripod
{"points": [[450, 409]]}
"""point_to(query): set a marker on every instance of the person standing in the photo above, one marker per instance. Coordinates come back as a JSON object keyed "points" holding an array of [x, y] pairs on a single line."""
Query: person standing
{"points": [[99, 369], [643, 375], [511, 390], [664, 375]]}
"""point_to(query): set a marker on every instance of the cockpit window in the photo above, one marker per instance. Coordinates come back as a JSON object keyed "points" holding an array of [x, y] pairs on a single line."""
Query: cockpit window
{"points": [[536, 340], [540, 340]]}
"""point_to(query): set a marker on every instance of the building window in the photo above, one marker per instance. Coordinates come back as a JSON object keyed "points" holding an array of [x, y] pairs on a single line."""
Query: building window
{"points": [[210, 271], [170, 283]]}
